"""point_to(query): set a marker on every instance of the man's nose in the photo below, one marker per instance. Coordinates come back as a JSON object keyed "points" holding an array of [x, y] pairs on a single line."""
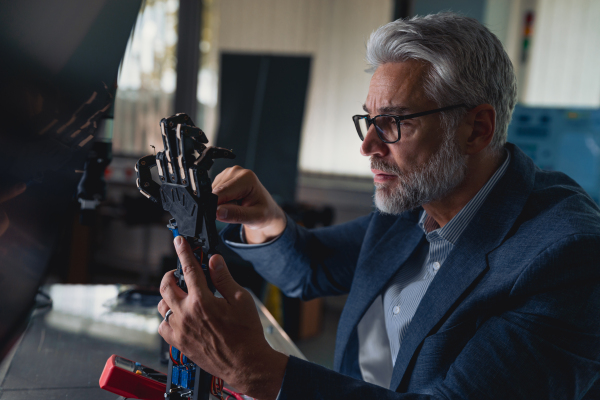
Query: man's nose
{"points": [[372, 145]]}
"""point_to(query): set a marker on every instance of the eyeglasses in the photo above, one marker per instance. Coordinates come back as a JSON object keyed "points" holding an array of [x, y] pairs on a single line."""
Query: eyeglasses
{"points": [[388, 126]]}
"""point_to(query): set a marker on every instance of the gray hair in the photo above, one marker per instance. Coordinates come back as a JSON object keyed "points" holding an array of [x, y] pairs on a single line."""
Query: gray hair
{"points": [[467, 64]]}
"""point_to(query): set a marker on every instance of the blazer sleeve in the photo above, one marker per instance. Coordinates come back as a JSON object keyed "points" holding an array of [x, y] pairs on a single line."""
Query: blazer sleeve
{"points": [[306, 263], [544, 343]]}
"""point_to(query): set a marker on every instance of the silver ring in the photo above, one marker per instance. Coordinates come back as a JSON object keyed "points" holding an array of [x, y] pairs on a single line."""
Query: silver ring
{"points": [[167, 315]]}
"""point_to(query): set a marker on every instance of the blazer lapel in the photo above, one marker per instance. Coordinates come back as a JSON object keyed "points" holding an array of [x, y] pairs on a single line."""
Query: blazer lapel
{"points": [[467, 262], [373, 271]]}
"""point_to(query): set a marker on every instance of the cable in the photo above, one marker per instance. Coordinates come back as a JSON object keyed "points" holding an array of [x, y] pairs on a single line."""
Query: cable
{"points": [[216, 387], [231, 393], [171, 355]]}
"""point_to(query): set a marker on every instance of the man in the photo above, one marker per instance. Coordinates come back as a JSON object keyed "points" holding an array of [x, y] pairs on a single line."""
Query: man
{"points": [[476, 278]]}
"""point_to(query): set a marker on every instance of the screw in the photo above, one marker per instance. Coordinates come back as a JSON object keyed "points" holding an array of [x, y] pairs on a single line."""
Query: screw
{"points": [[183, 181], [173, 179], [171, 124], [143, 163], [195, 193], [146, 184]]}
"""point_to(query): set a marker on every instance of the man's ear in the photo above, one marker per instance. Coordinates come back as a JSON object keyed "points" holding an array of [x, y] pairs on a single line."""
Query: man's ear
{"points": [[482, 121]]}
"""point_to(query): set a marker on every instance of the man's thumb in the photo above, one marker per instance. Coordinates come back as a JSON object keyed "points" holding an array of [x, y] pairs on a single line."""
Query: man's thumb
{"points": [[221, 277]]}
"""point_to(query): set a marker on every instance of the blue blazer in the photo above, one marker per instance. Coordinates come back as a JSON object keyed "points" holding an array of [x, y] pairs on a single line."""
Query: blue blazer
{"points": [[514, 313]]}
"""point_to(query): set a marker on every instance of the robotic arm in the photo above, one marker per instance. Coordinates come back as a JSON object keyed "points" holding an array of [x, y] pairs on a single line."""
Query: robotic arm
{"points": [[185, 192]]}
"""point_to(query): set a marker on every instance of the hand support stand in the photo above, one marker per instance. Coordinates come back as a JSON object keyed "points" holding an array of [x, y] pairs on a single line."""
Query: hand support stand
{"points": [[185, 192]]}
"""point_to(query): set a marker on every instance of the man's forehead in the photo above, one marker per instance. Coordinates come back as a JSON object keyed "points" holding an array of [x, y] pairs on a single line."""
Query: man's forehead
{"points": [[396, 88]]}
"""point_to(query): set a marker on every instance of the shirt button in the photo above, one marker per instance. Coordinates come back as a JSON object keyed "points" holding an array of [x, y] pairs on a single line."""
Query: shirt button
{"points": [[396, 310], [436, 266]]}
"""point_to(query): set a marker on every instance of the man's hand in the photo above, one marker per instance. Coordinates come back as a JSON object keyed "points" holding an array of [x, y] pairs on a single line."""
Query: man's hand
{"points": [[5, 195], [262, 218], [223, 336]]}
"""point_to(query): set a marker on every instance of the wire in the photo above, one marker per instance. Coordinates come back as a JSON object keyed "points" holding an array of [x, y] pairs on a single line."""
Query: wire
{"points": [[216, 387], [231, 393], [171, 355]]}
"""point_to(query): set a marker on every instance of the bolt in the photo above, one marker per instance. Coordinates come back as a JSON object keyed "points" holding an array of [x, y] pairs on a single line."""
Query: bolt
{"points": [[146, 184], [143, 163], [171, 124], [183, 181], [195, 193]]}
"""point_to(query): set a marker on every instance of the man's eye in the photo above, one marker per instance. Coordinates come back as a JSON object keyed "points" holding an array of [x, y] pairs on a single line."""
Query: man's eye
{"points": [[406, 126]]}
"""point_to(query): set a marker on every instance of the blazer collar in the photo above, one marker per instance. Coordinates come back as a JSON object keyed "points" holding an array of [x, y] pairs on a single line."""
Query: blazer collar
{"points": [[375, 267], [467, 262]]}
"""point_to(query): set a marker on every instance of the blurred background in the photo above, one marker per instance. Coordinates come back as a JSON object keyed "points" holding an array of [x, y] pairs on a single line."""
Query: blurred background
{"points": [[278, 81]]}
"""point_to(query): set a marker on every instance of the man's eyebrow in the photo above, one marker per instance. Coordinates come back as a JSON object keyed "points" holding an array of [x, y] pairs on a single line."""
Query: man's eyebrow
{"points": [[394, 110]]}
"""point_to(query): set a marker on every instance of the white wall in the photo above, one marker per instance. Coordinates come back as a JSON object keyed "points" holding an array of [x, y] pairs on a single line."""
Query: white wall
{"points": [[561, 69], [565, 55], [334, 33]]}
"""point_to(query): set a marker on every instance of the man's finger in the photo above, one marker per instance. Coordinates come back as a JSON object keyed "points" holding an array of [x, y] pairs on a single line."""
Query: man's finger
{"points": [[163, 307], [192, 271], [166, 331], [172, 294], [229, 191], [222, 279], [235, 214], [225, 176]]}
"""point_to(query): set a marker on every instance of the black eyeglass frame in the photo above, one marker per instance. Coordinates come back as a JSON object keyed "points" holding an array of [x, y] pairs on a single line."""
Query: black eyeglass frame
{"points": [[397, 118]]}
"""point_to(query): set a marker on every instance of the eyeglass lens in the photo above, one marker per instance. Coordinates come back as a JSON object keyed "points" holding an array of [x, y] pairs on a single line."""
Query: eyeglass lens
{"points": [[386, 128]]}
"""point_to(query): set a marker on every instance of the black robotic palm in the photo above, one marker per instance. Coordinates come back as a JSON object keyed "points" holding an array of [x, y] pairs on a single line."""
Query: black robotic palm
{"points": [[186, 193]]}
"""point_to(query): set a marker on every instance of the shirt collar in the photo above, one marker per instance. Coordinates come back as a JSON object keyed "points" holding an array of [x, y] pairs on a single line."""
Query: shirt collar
{"points": [[456, 226]]}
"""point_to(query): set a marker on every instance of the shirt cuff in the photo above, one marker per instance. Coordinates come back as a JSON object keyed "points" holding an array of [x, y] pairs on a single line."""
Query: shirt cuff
{"points": [[244, 244]]}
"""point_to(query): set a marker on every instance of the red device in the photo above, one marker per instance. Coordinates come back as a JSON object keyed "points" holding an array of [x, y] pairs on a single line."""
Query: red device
{"points": [[132, 380]]}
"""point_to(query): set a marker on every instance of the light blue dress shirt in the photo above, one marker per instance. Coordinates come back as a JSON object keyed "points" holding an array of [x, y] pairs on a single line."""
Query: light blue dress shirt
{"points": [[404, 292]]}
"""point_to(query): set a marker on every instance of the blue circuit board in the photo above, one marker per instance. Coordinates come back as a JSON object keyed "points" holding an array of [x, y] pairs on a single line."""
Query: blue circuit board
{"points": [[183, 374]]}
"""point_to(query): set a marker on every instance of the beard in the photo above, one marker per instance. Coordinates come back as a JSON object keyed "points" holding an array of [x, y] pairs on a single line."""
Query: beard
{"points": [[443, 172]]}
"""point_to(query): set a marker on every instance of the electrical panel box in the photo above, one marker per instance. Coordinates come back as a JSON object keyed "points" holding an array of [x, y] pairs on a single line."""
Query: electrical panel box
{"points": [[565, 140]]}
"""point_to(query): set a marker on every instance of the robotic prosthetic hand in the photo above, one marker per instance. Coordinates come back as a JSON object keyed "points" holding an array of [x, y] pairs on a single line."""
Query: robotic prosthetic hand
{"points": [[185, 192]]}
